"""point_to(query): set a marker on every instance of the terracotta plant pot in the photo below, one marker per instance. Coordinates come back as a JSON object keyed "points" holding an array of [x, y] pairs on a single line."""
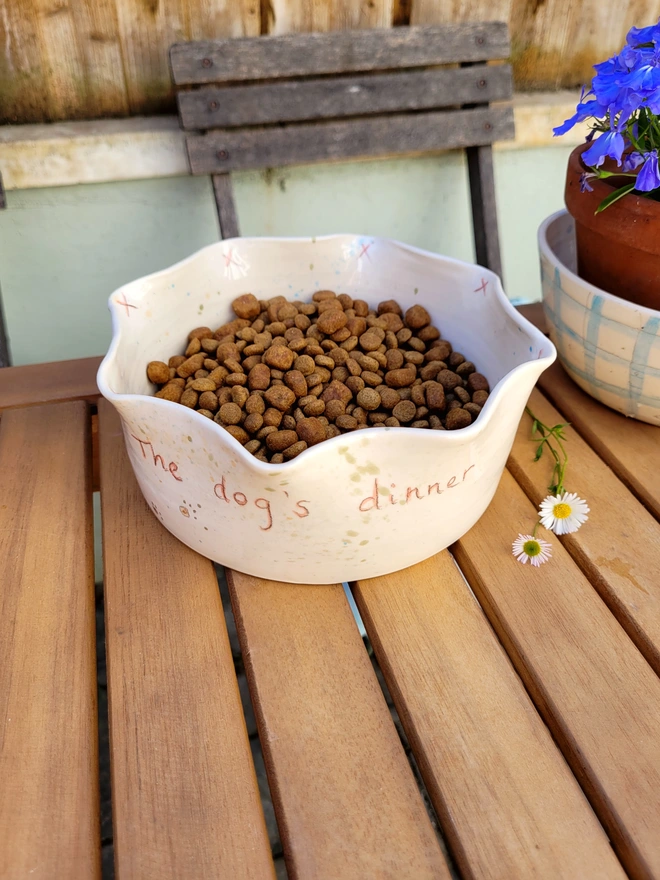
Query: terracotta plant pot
{"points": [[619, 249]]}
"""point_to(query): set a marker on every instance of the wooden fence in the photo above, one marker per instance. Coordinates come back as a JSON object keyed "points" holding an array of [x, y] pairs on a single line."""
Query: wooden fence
{"points": [[86, 59]]}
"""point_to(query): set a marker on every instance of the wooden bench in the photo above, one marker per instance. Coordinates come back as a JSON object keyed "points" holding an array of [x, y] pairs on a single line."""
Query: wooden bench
{"points": [[530, 699], [276, 101]]}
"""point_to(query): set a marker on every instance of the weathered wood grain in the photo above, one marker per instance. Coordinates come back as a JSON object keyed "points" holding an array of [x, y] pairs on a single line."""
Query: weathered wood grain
{"points": [[49, 383], [346, 801], [58, 49], [49, 797], [629, 447], [97, 26], [184, 790], [484, 753], [484, 207], [426, 12], [619, 547], [272, 147], [595, 691], [327, 15], [292, 101], [340, 52], [225, 205]]}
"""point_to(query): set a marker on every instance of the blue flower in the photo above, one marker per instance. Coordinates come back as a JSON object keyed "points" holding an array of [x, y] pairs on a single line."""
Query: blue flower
{"points": [[632, 161], [585, 110], [638, 36], [611, 144], [584, 182], [649, 177]]}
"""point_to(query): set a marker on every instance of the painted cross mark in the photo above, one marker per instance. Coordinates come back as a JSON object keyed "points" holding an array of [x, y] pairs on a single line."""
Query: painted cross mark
{"points": [[483, 287], [123, 302], [229, 259], [365, 251]]}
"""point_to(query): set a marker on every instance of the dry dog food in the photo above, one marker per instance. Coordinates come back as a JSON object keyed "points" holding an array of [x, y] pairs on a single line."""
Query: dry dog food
{"points": [[283, 376]]}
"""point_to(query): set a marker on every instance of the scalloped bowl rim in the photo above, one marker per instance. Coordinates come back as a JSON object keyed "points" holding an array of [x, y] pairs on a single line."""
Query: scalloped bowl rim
{"points": [[447, 439]]}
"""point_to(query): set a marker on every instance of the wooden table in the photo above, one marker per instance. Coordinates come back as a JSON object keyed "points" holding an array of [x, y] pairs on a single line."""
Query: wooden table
{"points": [[530, 698]]}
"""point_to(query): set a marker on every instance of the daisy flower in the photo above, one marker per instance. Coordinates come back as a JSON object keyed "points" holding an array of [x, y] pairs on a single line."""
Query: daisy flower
{"points": [[563, 513], [527, 547]]}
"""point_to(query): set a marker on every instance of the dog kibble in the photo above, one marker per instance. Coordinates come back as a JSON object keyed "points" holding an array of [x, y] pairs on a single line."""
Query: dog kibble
{"points": [[284, 376]]}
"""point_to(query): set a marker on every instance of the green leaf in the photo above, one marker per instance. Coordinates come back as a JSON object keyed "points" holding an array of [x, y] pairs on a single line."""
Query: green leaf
{"points": [[535, 426], [614, 197], [539, 452]]}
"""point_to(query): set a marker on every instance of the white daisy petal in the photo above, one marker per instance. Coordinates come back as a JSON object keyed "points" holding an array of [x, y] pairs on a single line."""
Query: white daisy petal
{"points": [[564, 513], [528, 548]]}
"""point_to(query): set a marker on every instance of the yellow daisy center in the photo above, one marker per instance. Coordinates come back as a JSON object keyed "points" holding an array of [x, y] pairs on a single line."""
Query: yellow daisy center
{"points": [[532, 548], [562, 510]]}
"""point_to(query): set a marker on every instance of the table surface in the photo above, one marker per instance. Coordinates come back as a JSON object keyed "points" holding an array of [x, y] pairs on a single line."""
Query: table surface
{"points": [[530, 698]]}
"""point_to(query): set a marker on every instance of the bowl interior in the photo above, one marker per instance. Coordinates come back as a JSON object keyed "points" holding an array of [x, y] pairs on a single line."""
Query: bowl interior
{"points": [[153, 315]]}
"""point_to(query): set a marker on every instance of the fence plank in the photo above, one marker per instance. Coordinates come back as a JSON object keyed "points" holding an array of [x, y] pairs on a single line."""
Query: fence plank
{"points": [[469, 722], [273, 147], [596, 692], [59, 52], [328, 15], [346, 800], [184, 790], [105, 79], [339, 52], [49, 796], [293, 101]]}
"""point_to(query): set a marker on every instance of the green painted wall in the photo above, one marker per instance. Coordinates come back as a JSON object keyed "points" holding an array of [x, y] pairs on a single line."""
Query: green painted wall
{"points": [[64, 250]]}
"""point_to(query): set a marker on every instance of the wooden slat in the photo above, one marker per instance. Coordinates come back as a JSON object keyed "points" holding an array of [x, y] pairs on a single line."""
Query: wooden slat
{"points": [[426, 12], [294, 144], [619, 547], [339, 52], [184, 790], [49, 383], [49, 809], [484, 207], [58, 49], [105, 80], [469, 721], [225, 205], [292, 101], [346, 800], [286, 16], [630, 448], [594, 689]]}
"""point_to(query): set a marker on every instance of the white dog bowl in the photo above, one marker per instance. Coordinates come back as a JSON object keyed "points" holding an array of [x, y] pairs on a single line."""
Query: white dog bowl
{"points": [[359, 505], [610, 347]]}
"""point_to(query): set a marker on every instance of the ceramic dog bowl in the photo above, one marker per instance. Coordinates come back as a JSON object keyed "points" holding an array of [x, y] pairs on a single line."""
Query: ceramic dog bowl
{"points": [[359, 505], [610, 347]]}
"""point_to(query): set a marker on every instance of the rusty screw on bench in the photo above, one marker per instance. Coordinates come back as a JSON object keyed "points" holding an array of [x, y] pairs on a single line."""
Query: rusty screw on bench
{"points": [[282, 376]]}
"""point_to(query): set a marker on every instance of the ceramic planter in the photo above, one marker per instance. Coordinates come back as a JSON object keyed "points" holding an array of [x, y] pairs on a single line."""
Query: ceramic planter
{"points": [[610, 347], [359, 505], [618, 250]]}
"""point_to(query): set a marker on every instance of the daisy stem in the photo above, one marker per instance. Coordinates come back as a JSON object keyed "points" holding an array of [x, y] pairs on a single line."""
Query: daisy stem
{"points": [[548, 435]]}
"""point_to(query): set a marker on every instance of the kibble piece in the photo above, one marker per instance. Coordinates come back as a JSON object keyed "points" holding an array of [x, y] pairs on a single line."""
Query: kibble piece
{"points": [[231, 413], [417, 317], [295, 380], [404, 411], [289, 422], [392, 422], [176, 361], [355, 383], [334, 408], [266, 430], [280, 357], [440, 351], [390, 322], [389, 305], [201, 374], [368, 399], [435, 396], [255, 404], [278, 441], [389, 397], [337, 391], [208, 400], [372, 338], [294, 450], [461, 394], [253, 423], [277, 458], [453, 404], [394, 359], [193, 347], [158, 372], [253, 446], [240, 395], [311, 430], [403, 335], [428, 333], [400, 378], [331, 431], [304, 364], [315, 408], [200, 333], [448, 379], [219, 375], [346, 423], [480, 397], [189, 398], [238, 433], [478, 382], [473, 408], [417, 395], [236, 379], [457, 418], [430, 371], [455, 359], [203, 385], [465, 369], [361, 308], [246, 306], [331, 320], [224, 395], [280, 397], [377, 417], [259, 378], [170, 392], [356, 326], [372, 379], [190, 366]]}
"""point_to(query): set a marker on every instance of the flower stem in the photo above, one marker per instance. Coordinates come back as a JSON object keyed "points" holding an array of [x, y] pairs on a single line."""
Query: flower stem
{"points": [[549, 436]]}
